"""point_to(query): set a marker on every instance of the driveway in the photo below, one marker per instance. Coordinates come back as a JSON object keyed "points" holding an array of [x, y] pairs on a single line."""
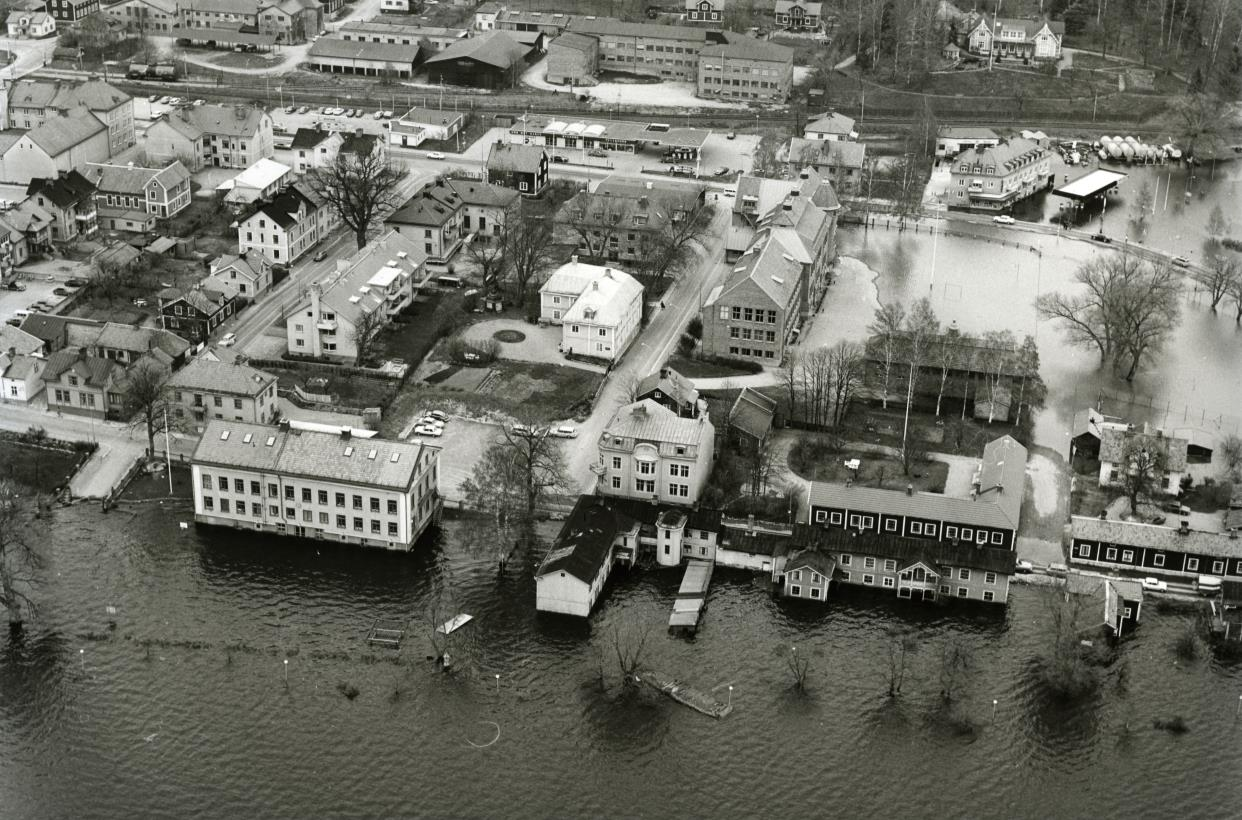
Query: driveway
{"points": [[539, 345], [462, 446], [847, 309]]}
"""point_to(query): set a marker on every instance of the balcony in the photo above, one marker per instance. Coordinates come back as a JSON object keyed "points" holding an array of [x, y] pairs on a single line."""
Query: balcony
{"points": [[326, 325]]}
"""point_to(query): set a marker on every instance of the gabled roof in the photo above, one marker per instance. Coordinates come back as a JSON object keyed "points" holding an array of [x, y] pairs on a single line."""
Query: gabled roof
{"points": [[1113, 444], [506, 156], [284, 207], [311, 137], [95, 95], [769, 266], [1004, 157], [243, 8], [94, 371], [63, 191], [832, 123], [35, 18], [20, 340], [33, 93], [906, 551], [224, 120], [208, 301], [586, 539], [58, 134], [383, 259], [340, 49], [1154, 536], [672, 384], [752, 413], [812, 559], [131, 179], [577, 42], [1028, 27], [966, 132], [262, 173], [21, 366], [495, 48], [606, 299], [846, 154], [483, 194], [248, 265], [647, 421], [432, 206], [360, 144], [220, 377], [783, 6]]}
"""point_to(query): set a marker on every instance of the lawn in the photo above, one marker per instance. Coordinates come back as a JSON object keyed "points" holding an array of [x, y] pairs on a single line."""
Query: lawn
{"points": [[353, 391], [110, 298], [146, 486], [417, 329], [818, 458], [704, 369], [45, 468], [207, 221]]}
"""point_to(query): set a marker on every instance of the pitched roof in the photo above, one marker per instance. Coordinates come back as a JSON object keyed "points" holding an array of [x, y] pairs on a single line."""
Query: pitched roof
{"points": [[606, 299], [783, 6], [906, 551], [340, 49], [495, 48], [832, 123], [432, 206], [969, 354], [33, 93], [48, 328], [310, 137], [360, 144], [483, 194], [284, 207], [769, 266], [846, 154], [349, 293], [821, 562], [20, 340], [1006, 156], [672, 384], [505, 156], [585, 539], [224, 120], [1113, 444], [238, 7], [248, 265], [95, 371], [1154, 536], [21, 366], [998, 503], [58, 134], [131, 179], [262, 173], [752, 413], [647, 421], [95, 95], [372, 462], [219, 377], [1028, 27], [64, 191], [578, 42]]}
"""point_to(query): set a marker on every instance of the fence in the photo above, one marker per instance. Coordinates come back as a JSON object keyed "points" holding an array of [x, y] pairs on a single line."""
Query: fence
{"points": [[327, 367]]}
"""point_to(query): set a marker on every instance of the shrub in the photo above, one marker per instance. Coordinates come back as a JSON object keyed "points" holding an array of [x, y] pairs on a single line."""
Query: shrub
{"points": [[744, 365], [473, 353], [686, 344], [695, 327]]}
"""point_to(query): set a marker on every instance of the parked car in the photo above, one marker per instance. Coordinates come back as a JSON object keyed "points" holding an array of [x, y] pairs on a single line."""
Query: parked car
{"points": [[358, 112], [325, 110], [15, 321], [76, 283], [379, 115], [431, 422], [522, 430], [721, 172], [59, 292], [1003, 219], [1024, 567], [303, 110], [228, 340], [438, 415], [164, 100], [1181, 261], [1154, 585], [567, 431], [289, 109], [559, 158], [319, 256], [154, 98], [17, 284], [1058, 568], [175, 101], [1208, 585], [199, 102], [1099, 237], [434, 155], [388, 115], [597, 152], [428, 430], [731, 136]]}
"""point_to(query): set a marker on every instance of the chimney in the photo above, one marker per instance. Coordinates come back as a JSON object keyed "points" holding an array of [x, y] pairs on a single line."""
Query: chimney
{"points": [[663, 372], [1184, 529], [284, 425], [574, 259], [750, 523], [805, 175], [787, 206], [345, 434], [1159, 432], [595, 284], [909, 489], [1233, 533]]}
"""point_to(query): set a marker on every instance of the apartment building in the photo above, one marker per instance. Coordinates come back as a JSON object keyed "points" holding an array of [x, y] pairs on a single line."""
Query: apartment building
{"points": [[667, 52], [745, 69], [286, 226], [132, 198], [996, 177], [206, 389], [651, 453]]}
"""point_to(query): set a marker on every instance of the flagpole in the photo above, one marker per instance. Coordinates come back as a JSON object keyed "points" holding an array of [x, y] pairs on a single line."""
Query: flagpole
{"points": [[168, 451]]}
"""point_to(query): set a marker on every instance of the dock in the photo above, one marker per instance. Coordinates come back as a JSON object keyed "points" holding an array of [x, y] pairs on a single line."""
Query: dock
{"points": [[692, 596], [685, 694]]}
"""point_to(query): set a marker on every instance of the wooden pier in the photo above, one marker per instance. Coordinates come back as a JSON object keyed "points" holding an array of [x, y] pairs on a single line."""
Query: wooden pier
{"points": [[685, 694], [692, 596]]}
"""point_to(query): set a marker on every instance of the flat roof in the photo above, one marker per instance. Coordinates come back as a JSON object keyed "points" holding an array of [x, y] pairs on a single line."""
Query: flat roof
{"points": [[614, 130], [1090, 184]]}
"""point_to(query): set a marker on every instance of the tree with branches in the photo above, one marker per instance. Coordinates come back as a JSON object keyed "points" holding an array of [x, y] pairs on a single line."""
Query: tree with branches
{"points": [[799, 666], [146, 400], [998, 350], [922, 330], [1235, 295], [487, 254], [1231, 455], [1203, 121], [681, 234], [846, 369], [20, 560], [901, 645], [626, 641], [956, 660], [1222, 272], [529, 247], [365, 334], [520, 468], [1142, 469], [361, 188], [888, 324]]}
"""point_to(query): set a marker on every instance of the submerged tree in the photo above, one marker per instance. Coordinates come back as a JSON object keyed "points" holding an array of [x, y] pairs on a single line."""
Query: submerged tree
{"points": [[901, 645], [20, 560], [520, 468]]}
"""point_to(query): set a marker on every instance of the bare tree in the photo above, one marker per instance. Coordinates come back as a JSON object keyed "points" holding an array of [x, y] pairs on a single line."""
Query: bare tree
{"points": [[762, 465], [998, 353], [488, 254], [956, 660], [1235, 294], [592, 222], [518, 470], [685, 227], [901, 645], [528, 250], [146, 401], [922, 328], [626, 640], [1231, 455], [20, 560], [1203, 121], [1222, 273], [365, 333], [1142, 469], [1147, 313], [627, 388], [789, 380], [887, 326], [361, 188], [799, 665], [1031, 389], [1063, 668], [846, 368], [455, 649], [944, 354]]}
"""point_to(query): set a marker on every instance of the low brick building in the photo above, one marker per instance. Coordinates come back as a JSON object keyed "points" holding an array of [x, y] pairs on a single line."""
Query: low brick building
{"points": [[573, 59]]}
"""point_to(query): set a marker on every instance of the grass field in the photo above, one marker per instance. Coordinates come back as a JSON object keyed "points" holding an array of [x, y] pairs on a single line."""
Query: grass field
{"points": [[41, 468], [817, 459], [701, 369]]}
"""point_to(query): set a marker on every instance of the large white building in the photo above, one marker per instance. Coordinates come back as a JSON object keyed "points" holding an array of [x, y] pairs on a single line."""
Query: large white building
{"points": [[319, 485], [383, 276], [599, 309], [649, 452]]}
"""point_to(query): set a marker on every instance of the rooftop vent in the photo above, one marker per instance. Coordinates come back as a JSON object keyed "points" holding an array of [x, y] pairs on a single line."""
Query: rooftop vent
{"points": [[249, 437], [349, 451], [371, 455], [353, 300], [778, 280], [394, 458], [270, 441], [402, 255], [224, 435]]}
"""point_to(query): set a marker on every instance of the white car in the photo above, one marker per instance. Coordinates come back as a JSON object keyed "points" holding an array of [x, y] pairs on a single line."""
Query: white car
{"points": [[1024, 567], [568, 431], [1003, 220], [434, 155], [428, 430], [1154, 585], [428, 421], [228, 340], [438, 415]]}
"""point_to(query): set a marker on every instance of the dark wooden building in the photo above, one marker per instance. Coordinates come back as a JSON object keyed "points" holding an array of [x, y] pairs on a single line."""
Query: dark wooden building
{"points": [[1155, 549], [491, 60], [196, 314], [522, 168]]}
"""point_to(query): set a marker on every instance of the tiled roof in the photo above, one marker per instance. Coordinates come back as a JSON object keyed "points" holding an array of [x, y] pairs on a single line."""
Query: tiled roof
{"points": [[496, 48], [1006, 157], [752, 413], [361, 144], [821, 562], [647, 421], [94, 371], [769, 266], [130, 179], [224, 120], [249, 265], [1002, 476], [64, 191], [832, 123], [21, 367], [220, 377], [1029, 27], [309, 454], [783, 6], [309, 137], [22, 341], [906, 551], [284, 207], [672, 384], [33, 93], [606, 299], [482, 193], [1154, 536], [505, 156], [95, 95], [58, 134], [339, 49], [1113, 446]]}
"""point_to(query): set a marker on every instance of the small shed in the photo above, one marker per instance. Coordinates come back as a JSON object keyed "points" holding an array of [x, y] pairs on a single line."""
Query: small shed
{"points": [[951, 51]]}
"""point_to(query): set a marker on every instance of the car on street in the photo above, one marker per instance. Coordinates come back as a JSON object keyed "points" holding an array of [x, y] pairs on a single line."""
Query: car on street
{"points": [[428, 430], [303, 110], [597, 152], [14, 321], [559, 158], [1154, 585], [1003, 219], [17, 284], [438, 415], [153, 98], [379, 115], [319, 256], [289, 109], [164, 100], [1099, 237], [228, 340], [358, 112], [175, 101], [434, 155], [566, 431], [388, 115], [1024, 567], [431, 420], [199, 102], [721, 172], [325, 110], [1181, 261], [731, 136], [76, 283], [59, 292]]}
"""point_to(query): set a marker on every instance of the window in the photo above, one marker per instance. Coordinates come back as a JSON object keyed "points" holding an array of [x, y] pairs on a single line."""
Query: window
{"points": [[845, 576], [239, 486], [358, 524], [307, 516], [375, 526], [288, 492], [890, 525], [845, 560], [944, 590], [357, 502], [950, 532], [916, 528], [820, 515], [1159, 560], [392, 506], [796, 575], [989, 595], [868, 563], [835, 518], [961, 592], [340, 499], [254, 488], [889, 582], [616, 482], [981, 537], [814, 592], [616, 463], [1127, 556], [209, 503], [795, 590], [998, 538], [929, 530], [967, 533], [323, 496], [223, 483], [392, 529], [375, 505], [340, 521], [1192, 564], [989, 577], [306, 495], [290, 512], [963, 574], [869, 580], [1218, 567], [206, 482], [890, 565]]}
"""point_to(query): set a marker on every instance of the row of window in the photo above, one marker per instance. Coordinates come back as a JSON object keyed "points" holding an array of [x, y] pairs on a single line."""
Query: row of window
{"points": [[239, 487], [866, 522], [945, 589], [736, 83], [662, 49], [758, 335], [740, 314], [757, 353], [1158, 560], [256, 510], [745, 69]]}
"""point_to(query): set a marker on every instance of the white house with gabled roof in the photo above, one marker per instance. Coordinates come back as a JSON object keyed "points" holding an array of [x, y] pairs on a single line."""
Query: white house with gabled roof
{"points": [[649, 452], [599, 309]]}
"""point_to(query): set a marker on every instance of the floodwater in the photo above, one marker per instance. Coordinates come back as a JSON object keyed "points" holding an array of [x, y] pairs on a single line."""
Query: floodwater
{"points": [[182, 709], [990, 281]]}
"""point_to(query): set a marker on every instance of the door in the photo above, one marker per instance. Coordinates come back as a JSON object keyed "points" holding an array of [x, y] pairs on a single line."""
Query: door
{"points": [[929, 595]]}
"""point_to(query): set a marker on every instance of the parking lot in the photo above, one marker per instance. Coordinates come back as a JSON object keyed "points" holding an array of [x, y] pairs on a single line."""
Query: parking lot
{"points": [[36, 290]]}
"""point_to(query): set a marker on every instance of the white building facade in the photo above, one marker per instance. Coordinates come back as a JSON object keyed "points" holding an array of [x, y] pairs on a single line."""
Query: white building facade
{"points": [[599, 309], [648, 452]]}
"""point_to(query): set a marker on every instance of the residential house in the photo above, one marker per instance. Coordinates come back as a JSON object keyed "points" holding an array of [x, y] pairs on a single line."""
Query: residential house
{"points": [[250, 273], [1121, 599], [69, 198], [314, 148], [1120, 447], [997, 177], [158, 17], [649, 49], [308, 484], [286, 226], [838, 161], [704, 11], [204, 390], [362, 145], [808, 572], [523, 168], [485, 16], [1008, 37], [71, 140], [361, 296], [21, 377], [419, 124], [988, 518], [745, 68], [1175, 552], [754, 313], [1089, 427], [14, 249], [668, 388], [573, 59], [33, 102], [224, 136], [218, 13], [648, 452], [131, 198], [195, 314], [750, 419], [32, 222], [833, 127], [433, 217], [71, 11], [82, 384], [262, 180], [116, 256], [912, 568], [758, 546], [797, 15], [952, 140], [484, 207], [623, 218], [30, 24], [337, 55], [291, 21], [599, 309], [110, 340], [493, 60]]}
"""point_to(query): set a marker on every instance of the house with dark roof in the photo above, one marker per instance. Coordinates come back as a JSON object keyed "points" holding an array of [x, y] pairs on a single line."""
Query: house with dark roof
{"points": [[996, 177], [989, 517], [523, 168], [285, 227], [648, 452], [1176, 552], [314, 148], [205, 389], [493, 60], [671, 390], [952, 140], [195, 314], [840, 161], [70, 11], [1089, 426], [750, 419], [754, 313], [82, 384], [361, 144], [704, 11], [110, 340], [433, 217], [484, 207], [67, 141], [34, 102], [620, 221], [1121, 446], [69, 198], [1120, 599], [223, 136]]}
